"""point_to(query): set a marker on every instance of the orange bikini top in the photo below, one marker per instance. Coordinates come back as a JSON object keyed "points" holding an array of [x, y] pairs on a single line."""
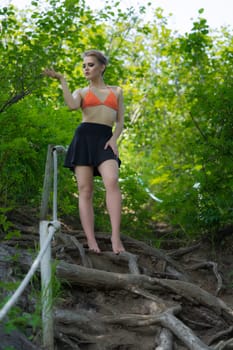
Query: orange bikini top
{"points": [[91, 100]]}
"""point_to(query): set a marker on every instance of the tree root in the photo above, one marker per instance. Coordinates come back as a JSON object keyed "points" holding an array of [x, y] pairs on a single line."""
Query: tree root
{"points": [[165, 341], [146, 287], [139, 299], [102, 279], [214, 267], [225, 345], [221, 334]]}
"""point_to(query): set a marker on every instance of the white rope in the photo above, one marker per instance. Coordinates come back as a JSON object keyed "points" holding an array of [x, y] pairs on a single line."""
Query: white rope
{"points": [[52, 228]]}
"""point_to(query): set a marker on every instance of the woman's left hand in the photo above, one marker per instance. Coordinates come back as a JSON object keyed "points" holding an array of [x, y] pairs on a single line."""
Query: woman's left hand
{"points": [[112, 144]]}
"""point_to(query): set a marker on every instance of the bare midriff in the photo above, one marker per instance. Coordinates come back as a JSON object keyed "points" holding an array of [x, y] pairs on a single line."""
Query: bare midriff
{"points": [[99, 114]]}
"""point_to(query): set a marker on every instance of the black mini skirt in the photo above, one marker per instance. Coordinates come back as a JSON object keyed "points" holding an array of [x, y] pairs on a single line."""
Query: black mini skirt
{"points": [[87, 147]]}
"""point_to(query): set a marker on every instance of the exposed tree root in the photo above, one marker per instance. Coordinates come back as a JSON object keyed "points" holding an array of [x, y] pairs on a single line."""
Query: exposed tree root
{"points": [[210, 265], [165, 340], [79, 275], [163, 297], [142, 299]]}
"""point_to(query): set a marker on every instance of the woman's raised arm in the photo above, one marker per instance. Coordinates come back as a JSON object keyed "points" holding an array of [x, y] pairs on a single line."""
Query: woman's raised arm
{"points": [[73, 101]]}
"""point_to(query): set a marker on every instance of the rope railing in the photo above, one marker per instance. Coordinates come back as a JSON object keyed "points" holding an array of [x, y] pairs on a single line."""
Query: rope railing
{"points": [[47, 230], [54, 226]]}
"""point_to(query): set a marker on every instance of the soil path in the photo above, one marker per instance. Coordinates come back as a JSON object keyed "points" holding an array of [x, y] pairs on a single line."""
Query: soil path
{"points": [[174, 297]]}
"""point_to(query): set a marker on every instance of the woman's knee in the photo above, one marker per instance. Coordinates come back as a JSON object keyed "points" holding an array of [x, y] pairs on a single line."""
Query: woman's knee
{"points": [[85, 191], [111, 183]]}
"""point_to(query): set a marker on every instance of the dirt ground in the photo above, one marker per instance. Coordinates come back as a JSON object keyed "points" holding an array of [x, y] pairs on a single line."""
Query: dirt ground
{"points": [[111, 302]]}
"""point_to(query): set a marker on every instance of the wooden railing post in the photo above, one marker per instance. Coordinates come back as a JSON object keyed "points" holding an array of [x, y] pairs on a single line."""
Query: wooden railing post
{"points": [[47, 183], [46, 288]]}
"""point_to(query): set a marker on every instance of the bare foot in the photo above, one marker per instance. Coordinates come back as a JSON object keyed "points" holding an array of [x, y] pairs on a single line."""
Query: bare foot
{"points": [[117, 245], [93, 246]]}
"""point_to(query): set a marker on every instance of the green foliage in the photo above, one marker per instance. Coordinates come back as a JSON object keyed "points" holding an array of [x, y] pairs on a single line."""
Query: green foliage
{"points": [[23, 148], [6, 226], [21, 318], [18, 317], [178, 108], [136, 205]]}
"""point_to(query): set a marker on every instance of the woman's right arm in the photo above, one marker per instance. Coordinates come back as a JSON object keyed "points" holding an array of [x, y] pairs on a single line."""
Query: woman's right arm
{"points": [[73, 101]]}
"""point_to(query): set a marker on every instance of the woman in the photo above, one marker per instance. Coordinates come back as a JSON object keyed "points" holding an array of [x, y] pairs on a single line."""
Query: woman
{"points": [[93, 150]]}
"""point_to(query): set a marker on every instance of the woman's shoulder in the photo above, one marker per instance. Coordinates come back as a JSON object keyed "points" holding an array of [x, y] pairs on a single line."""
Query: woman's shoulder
{"points": [[85, 89], [116, 89], [81, 91]]}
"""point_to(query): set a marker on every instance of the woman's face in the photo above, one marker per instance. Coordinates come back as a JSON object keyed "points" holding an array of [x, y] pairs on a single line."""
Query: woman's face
{"points": [[92, 68]]}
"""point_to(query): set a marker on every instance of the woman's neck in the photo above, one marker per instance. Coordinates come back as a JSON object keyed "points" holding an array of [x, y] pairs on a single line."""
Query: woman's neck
{"points": [[99, 84]]}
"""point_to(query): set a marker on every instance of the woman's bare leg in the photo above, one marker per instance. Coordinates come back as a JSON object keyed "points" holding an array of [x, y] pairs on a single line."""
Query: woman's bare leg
{"points": [[84, 176], [109, 173]]}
